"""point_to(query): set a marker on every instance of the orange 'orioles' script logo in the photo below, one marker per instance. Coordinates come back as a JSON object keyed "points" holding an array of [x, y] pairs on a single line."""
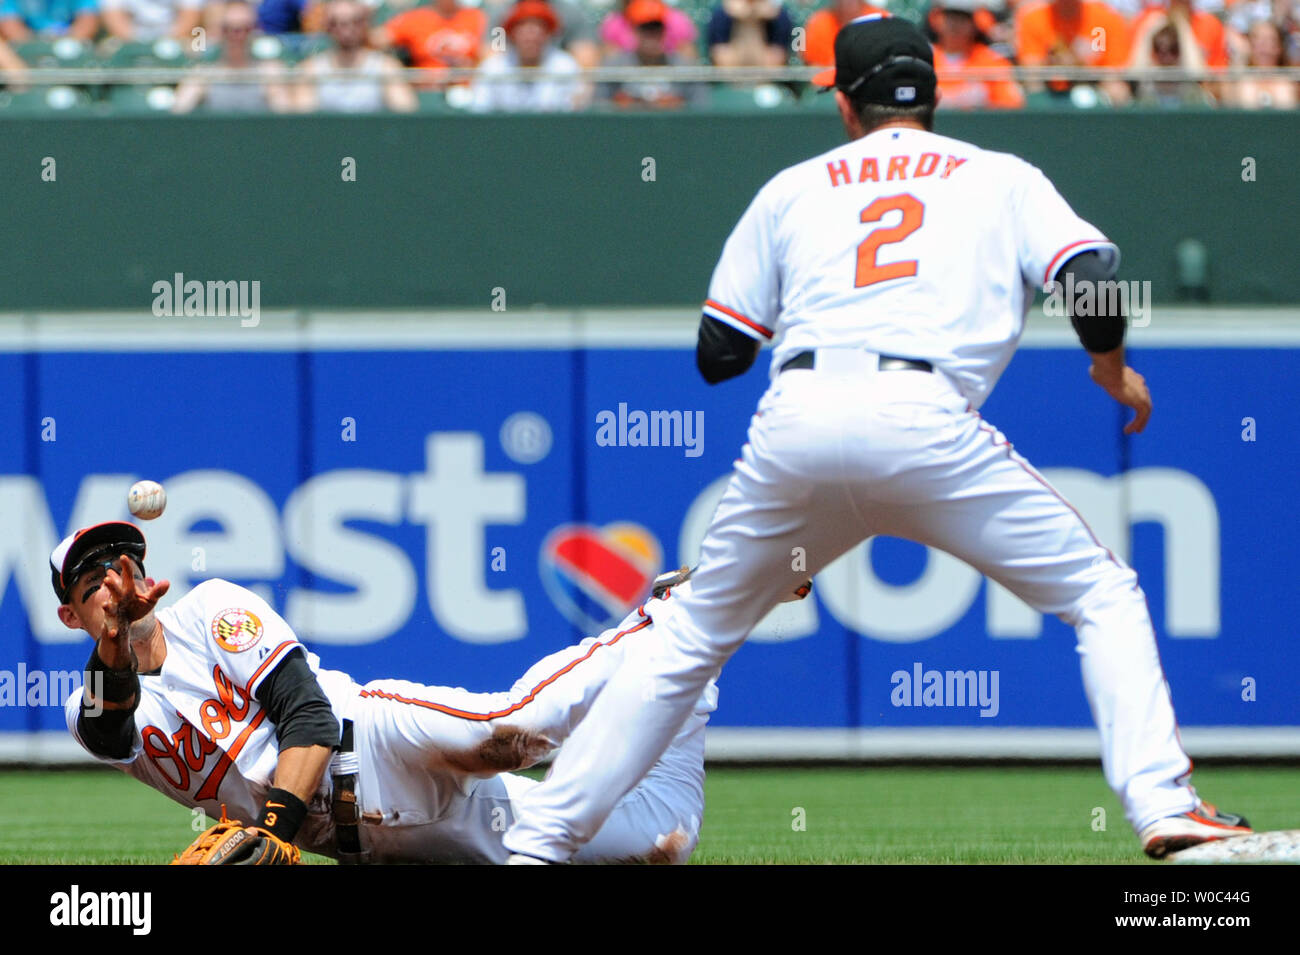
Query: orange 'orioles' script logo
{"points": [[186, 751], [236, 630]]}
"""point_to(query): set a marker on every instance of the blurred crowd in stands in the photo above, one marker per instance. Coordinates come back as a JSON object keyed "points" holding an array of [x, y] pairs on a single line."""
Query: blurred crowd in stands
{"points": [[293, 49]]}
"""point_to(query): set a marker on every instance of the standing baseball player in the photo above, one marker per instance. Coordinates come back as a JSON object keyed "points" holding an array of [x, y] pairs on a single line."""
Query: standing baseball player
{"points": [[894, 274], [215, 703]]}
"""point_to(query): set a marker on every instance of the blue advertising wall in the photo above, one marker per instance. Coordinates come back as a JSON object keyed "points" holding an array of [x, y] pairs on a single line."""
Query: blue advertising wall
{"points": [[402, 509]]}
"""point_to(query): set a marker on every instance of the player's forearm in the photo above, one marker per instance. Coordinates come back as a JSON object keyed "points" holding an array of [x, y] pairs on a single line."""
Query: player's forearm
{"points": [[300, 770], [306, 731], [298, 775], [107, 685], [116, 654]]}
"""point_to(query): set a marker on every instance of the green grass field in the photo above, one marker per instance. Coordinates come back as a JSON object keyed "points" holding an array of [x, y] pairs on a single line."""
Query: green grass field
{"points": [[776, 815]]}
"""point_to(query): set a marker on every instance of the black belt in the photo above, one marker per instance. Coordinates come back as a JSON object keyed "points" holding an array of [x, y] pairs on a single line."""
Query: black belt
{"points": [[343, 806], [807, 359]]}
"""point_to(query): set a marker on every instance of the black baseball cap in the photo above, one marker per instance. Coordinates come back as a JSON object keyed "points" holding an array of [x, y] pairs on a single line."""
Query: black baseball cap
{"points": [[881, 59], [90, 547]]}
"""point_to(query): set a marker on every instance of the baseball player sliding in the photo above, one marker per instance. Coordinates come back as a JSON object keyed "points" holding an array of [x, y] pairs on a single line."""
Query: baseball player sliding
{"points": [[215, 703], [894, 274]]}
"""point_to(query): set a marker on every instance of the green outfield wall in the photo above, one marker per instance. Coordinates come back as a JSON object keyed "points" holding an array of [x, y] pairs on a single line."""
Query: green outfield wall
{"points": [[575, 210]]}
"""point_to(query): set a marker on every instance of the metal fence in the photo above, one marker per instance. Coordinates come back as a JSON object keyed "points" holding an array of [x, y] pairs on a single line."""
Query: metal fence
{"points": [[107, 75]]}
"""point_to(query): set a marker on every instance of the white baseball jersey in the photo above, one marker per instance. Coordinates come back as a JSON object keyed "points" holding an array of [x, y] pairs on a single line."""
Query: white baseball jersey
{"points": [[871, 245], [201, 737], [430, 784]]}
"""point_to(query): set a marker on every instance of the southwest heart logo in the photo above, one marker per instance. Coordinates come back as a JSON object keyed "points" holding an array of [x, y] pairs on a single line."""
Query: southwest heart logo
{"points": [[595, 575]]}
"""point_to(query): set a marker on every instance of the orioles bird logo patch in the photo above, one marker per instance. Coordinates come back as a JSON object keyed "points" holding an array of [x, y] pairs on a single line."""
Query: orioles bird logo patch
{"points": [[236, 630]]}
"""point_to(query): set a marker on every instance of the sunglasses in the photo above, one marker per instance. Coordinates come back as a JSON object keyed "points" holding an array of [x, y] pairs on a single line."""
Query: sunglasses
{"points": [[106, 557]]}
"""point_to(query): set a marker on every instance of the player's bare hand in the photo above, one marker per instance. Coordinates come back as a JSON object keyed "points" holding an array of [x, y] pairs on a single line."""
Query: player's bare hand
{"points": [[1129, 389], [127, 601]]}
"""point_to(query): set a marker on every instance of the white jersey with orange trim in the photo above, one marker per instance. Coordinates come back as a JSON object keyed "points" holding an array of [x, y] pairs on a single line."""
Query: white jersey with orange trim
{"points": [[903, 243], [432, 784], [202, 737]]}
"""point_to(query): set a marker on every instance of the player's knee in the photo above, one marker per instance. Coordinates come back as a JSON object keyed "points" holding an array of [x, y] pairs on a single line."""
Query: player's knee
{"points": [[1119, 584], [708, 636], [1114, 589]]}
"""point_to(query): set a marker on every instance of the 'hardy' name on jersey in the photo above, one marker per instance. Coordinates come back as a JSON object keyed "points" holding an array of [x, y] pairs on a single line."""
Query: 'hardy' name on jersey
{"points": [[926, 164]]}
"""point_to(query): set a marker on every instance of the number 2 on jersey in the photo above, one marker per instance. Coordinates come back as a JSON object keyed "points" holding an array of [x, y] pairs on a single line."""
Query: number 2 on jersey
{"points": [[868, 272]]}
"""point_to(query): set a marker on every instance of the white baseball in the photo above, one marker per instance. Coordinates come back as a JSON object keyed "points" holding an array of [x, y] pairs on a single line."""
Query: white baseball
{"points": [[146, 499]]}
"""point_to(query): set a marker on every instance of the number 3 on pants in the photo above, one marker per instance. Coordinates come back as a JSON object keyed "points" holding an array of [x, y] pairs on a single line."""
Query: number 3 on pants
{"points": [[869, 273]]}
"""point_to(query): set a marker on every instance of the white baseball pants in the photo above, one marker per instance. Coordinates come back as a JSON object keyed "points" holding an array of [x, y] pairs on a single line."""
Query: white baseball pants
{"points": [[431, 789], [837, 454]]}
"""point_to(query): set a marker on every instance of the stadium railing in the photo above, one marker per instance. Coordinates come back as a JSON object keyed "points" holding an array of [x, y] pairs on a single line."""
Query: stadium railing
{"points": [[105, 87]]}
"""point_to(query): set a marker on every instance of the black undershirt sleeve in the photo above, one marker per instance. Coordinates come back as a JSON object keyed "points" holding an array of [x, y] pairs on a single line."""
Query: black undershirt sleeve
{"points": [[723, 352], [296, 705], [1098, 318], [109, 733]]}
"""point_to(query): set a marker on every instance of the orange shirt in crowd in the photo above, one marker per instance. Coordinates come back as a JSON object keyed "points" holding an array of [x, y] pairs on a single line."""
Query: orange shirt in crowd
{"points": [[1040, 28], [1206, 27], [429, 36], [819, 35], [960, 93]]}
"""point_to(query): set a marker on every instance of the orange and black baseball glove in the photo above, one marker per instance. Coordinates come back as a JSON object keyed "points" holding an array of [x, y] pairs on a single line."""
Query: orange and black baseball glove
{"points": [[232, 843]]}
